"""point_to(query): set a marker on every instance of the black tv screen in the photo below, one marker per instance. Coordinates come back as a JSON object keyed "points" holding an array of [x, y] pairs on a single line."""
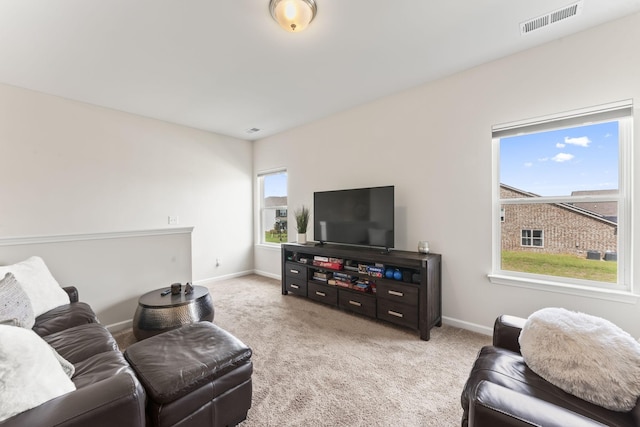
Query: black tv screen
{"points": [[361, 216]]}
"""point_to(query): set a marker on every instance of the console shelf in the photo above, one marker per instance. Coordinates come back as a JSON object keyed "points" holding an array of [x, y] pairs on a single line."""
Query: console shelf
{"points": [[413, 299]]}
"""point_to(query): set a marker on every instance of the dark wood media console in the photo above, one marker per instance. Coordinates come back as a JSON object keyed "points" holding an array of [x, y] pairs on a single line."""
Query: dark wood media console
{"points": [[414, 301]]}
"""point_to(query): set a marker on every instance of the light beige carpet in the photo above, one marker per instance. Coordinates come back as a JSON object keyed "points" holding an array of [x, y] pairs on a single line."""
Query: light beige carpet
{"points": [[320, 366]]}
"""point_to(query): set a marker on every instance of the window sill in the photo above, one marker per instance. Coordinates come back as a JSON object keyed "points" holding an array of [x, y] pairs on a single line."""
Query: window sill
{"points": [[269, 246], [562, 288]]}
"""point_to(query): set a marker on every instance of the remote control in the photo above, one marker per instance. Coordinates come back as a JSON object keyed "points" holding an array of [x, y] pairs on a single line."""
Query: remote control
{"points": [[165, 293]]}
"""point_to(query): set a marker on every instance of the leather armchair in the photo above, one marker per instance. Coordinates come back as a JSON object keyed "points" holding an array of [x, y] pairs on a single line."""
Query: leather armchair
{"points": [[502, 391]]}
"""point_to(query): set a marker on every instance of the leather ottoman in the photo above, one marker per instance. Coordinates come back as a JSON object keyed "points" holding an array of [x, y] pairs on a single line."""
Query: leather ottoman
{"points": [[196, 375]]}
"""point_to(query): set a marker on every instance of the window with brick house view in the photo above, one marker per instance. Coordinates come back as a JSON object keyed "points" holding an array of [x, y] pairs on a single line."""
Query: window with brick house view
{"points": [[561, 203], [273, 207]]}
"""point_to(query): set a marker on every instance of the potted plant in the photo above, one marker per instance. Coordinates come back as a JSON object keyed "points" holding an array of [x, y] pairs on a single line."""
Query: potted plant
{"points": [[302, 221]]}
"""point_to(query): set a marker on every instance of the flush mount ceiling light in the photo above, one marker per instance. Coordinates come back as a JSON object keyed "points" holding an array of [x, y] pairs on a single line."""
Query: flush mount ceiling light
{"points": [[293, 15]]}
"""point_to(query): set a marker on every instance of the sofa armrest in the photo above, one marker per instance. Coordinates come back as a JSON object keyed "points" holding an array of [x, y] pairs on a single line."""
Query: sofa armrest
{"points": [[73, 293], [494, 405], [115, 401], [506, 331]]}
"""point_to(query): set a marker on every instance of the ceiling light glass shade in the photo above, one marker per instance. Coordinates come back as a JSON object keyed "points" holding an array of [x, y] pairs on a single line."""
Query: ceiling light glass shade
{"points": [[293, 15]]}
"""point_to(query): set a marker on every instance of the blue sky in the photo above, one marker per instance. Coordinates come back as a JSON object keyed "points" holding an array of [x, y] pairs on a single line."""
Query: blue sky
{"points": [[275, 185], [557, 162]]}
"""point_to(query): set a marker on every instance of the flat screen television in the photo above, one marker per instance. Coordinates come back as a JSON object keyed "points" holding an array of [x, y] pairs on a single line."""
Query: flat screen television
{"points": [[359, 216]]}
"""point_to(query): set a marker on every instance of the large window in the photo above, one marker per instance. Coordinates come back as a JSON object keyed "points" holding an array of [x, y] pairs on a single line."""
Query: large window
{"points": [[562, 205], [273, 207]]}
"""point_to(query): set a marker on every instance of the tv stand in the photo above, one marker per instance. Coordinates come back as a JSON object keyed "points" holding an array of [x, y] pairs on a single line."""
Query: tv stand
{"points": [[413, 299]]}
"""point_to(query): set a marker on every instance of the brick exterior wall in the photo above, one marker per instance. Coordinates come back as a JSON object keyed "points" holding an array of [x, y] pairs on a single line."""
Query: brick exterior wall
{"points": [[565, 231]]}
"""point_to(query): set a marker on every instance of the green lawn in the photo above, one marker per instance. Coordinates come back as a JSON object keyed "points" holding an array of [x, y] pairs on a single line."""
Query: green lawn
{"points": [[275, 237], [560, 265]]}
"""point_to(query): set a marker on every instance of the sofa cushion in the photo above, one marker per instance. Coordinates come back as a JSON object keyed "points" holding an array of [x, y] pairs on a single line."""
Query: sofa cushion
{"points": [[584, 355], [99, 367], [38, 283], [30, 373], [64, 317], [14, 303], [81, 342]]}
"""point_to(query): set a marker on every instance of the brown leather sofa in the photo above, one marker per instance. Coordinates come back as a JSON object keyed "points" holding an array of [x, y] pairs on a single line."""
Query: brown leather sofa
{"points": [[107, 393], [157, 385], [502, 391]]}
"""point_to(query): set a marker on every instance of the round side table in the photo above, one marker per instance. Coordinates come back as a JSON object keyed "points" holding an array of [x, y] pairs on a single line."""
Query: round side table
{"points": [[156, 313]]}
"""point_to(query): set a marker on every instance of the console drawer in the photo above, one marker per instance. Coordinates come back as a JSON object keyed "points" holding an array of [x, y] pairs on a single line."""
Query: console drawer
{"points": [[295, 286], [398, 313], [293, 269], [398, 292], [360, 303], [323, 293]]}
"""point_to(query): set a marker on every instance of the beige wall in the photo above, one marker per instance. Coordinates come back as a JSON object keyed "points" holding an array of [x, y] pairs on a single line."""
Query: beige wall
{"points": [[71, 168], [434, 144], [110, 270]]}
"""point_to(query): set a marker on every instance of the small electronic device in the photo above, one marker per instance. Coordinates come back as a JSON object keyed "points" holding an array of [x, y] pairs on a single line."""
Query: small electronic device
{"points": [[176, 288]]}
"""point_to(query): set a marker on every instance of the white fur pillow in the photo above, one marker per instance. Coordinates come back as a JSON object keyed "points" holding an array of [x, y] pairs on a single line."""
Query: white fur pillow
{"points": [[38, 283], [30, 374], [584, 355]]}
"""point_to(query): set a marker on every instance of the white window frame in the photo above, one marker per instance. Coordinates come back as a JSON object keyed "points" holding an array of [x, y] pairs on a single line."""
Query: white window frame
{"points": [[623, 290], [261, 227], [532, 238]]}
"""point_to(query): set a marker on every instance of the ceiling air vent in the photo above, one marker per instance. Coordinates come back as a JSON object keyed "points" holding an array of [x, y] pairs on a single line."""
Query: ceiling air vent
{"points": [[551, 18]]}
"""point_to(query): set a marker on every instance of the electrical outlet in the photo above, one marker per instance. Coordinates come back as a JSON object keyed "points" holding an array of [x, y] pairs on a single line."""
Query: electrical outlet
{"points": [[174, 220]]}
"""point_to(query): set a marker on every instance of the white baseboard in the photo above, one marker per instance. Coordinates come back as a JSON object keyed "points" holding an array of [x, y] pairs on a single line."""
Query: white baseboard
{"points": [[474, 327], [205, 282], [267, 274], [120, 326]]}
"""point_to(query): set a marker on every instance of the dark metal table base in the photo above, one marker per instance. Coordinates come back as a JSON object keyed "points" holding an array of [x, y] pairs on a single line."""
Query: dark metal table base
{"points": [[156, 314]]}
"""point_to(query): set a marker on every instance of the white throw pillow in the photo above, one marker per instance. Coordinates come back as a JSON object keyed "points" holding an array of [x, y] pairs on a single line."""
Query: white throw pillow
{"points": [[14, 303], [38, 283], [30, 374], [584, 355]]}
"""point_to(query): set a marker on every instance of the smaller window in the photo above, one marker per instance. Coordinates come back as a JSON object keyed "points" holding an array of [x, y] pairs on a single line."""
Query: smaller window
{"points": [[273, 207], [532, 238]]}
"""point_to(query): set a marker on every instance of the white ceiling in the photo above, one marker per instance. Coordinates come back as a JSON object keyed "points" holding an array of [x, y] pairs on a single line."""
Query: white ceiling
{"points": [[225, 66]]}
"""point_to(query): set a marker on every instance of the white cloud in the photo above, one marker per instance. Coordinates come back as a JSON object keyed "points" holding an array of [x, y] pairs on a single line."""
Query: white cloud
{"points": [[528, 164], [560, 145], [582, 141], [543, 159], [562, 157]]}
